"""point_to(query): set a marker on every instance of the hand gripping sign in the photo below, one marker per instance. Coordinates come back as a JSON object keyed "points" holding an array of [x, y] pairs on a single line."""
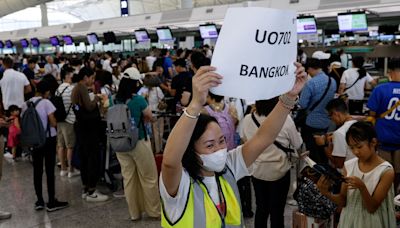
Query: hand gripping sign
{"points": [[255, 53]]}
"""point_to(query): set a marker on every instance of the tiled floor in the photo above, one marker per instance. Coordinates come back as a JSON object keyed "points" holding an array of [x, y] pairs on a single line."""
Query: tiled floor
{"points": [[17, 196]]}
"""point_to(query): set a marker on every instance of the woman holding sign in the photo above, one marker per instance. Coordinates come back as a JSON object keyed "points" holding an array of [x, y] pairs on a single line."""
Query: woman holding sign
{"points": [[198, 180]]}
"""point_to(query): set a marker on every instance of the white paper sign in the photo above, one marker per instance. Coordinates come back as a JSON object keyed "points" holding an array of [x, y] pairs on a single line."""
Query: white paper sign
{"points": [[255, 53]]}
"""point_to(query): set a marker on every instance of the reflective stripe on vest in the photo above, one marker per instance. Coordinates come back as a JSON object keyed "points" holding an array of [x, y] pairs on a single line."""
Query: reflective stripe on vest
{"points": [[200, 211]]}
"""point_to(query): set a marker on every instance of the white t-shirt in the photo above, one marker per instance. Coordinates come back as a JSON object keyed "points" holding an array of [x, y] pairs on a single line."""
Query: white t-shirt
{"points": [[174, 206], [44, 108], [66, 96], [12, 87], [51, 69], [272, 164], [107, 65], [340, 147], [356, 92], [150, 61], [155, 95]]}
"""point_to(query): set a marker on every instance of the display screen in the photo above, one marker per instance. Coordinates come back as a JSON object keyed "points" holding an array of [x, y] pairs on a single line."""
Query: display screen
{"points": [[1, 44], [54, 41], [24, 43], [68, 40], [142, 36], [306, 25], [349, 22], [208, 31], [9, 44], [109, 37], [164, 34], [92, 38], [35, 42]]}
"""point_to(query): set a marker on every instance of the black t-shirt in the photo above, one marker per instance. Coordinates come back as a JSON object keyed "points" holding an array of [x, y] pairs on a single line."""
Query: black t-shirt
{"points": [[30, 75], [182, 82]]}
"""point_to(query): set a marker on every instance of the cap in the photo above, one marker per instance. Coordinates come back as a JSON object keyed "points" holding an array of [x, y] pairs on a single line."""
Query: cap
{"points": [[133, 73], [321, 55]]}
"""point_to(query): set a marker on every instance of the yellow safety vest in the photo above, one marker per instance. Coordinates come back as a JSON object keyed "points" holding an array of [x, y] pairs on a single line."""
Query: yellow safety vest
{"points": [[201, 212]]}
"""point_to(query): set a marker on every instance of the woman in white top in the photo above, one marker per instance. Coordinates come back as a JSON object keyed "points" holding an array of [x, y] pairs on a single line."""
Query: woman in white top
{"points": [[271, 170], [353, 83], [196, 162]]}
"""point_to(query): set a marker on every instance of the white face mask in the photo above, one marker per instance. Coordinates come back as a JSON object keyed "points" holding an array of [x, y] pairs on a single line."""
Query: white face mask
{"points": [[216, 161]]}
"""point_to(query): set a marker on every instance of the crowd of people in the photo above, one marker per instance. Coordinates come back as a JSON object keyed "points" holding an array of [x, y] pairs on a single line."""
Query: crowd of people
{"points": [[216, 143]]}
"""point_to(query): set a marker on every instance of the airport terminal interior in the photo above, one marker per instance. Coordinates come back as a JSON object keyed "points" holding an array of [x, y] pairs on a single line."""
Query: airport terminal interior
{"points": [[171, 113]]}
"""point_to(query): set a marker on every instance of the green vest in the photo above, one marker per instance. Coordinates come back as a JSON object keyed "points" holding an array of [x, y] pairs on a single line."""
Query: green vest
{"points": [[201, 212]]}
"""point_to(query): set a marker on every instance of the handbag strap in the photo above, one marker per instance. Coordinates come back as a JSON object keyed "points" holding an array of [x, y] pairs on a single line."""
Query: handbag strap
{"points": [[352, 84], [390, 109], [322, 97], [276, 143]]}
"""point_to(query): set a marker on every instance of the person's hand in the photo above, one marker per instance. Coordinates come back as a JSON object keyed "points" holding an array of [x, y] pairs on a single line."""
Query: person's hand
{"points": [[301, 79], [204, 79], [323, 185], [354, 183], [320, 140], [4, 122]]}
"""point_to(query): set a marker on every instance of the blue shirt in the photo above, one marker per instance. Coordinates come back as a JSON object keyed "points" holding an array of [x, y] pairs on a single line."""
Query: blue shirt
{"points": [[312, 92], [383, 97], [167, 64]]}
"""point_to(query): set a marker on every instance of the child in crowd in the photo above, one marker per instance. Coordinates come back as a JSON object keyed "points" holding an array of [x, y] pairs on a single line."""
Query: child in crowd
{"points": [[367, 193], [14, 130]]}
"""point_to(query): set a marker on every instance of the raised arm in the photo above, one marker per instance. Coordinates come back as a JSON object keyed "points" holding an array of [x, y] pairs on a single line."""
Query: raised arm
{"points": [[180, 135], [272, 125]]}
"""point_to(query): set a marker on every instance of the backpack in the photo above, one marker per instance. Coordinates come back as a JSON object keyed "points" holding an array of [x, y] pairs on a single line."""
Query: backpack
{"points": [[33, 133], [60, 114], [122, 131], [226, 123]]}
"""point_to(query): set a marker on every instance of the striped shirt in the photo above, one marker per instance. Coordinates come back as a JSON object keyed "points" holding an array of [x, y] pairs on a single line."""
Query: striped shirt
{"points": [[311, 93], [66, 96]]}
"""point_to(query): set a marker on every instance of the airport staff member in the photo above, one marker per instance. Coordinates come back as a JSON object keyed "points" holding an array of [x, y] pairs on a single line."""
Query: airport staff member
{"points": [[198, 180]]}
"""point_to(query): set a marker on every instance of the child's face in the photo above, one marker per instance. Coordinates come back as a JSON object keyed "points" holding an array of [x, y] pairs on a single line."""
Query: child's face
{"points": [[15, 113], [364, 149]]}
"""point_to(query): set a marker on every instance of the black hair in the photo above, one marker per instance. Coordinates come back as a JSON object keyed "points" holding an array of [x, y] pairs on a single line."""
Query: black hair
{"points": [[265, 107], [85, 71], [52, 82], [180, 62], [164, 52], [109, 53], [66, 69], [104, 77], [8, 62], [127, 88], [191, 161], [338, 105], [358, 62], [198, 59], [313, 63], [76, 62], [13, 108], [158, 63], [32, 60], [394, 64], [334, 58], [179, 52], [43, 86], [216, 97], [361, 132]]}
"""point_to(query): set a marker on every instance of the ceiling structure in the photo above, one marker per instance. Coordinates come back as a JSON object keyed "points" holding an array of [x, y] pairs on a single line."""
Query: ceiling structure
{"points": [[13, 13]]}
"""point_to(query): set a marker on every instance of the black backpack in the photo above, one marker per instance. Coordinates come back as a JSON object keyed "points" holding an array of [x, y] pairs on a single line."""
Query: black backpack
{"points": [[60, 114]]}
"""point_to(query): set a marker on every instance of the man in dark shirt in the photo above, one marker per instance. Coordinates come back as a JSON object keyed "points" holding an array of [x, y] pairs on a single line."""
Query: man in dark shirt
{"points": [[30, 75], [181, 87]]}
